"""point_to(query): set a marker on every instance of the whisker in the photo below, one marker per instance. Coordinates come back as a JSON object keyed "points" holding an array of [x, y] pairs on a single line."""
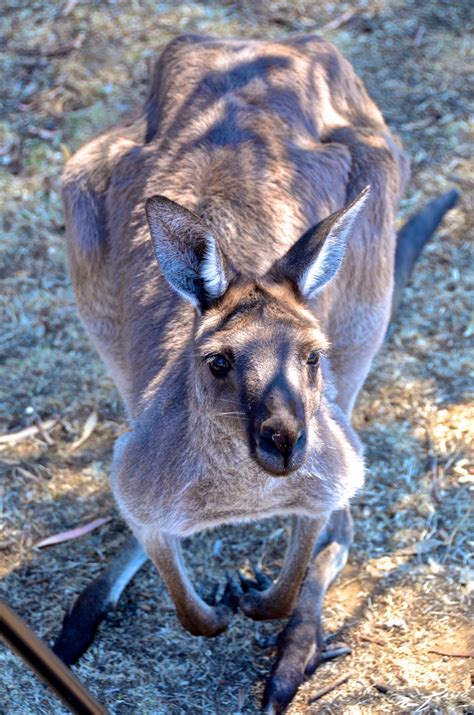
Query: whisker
{"points": [[223, 399], [232, 416]]}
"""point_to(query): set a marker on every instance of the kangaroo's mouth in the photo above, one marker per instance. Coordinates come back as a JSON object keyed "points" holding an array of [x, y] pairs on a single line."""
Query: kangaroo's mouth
{"points": [[280, 464]]}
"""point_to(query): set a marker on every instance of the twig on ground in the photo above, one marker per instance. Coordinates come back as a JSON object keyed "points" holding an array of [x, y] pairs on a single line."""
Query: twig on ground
{"points": [[21, 435], [329, 688], [435, 488], [340, 21], [52, 50], [420, 33], [44, 433], [461, 180], [449, 541], [372, 640], [67, 8]]}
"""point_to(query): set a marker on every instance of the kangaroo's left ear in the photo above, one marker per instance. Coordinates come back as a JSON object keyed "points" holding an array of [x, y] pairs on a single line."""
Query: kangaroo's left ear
{"points": [[314, 260], [187, 252]]}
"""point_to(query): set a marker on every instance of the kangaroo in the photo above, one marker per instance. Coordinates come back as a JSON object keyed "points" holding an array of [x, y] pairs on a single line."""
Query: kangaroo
{"points": [[232, 251]]}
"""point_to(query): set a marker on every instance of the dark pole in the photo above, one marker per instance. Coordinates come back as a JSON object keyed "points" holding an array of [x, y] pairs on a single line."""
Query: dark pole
{"points": [[47, 665]]}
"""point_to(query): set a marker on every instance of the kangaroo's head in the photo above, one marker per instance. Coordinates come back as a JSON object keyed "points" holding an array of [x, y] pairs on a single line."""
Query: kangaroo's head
{"points": [[258, 351]]}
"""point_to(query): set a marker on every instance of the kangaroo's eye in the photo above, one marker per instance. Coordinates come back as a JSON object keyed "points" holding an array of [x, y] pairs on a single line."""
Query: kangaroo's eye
{"points": [[313, 358], [218, 365]]}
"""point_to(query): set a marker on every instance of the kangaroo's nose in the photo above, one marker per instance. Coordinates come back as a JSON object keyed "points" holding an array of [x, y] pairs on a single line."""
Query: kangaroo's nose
{"points": [[281, 437]]}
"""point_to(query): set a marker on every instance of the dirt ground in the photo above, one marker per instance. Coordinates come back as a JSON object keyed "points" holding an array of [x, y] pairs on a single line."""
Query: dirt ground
{"points": [[71, 68]]}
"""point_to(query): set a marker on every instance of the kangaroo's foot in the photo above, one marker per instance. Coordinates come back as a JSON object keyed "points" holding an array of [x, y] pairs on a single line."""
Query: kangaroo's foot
{"points": [[301, 646], [299, 655]]}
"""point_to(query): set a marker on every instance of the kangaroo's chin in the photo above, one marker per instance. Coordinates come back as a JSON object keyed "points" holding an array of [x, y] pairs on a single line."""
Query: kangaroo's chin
{"points": [[277, 465]]}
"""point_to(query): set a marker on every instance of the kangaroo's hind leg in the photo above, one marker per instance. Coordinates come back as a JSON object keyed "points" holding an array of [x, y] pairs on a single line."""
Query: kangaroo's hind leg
{"points": [[300, 644]]}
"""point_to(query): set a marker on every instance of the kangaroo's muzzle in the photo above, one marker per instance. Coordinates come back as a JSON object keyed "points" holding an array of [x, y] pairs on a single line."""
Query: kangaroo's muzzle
{"points": [[281, 444]]}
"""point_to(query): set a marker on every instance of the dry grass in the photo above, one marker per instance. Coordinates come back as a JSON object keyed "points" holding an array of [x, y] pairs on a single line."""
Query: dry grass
{"points": [[70, 69]]}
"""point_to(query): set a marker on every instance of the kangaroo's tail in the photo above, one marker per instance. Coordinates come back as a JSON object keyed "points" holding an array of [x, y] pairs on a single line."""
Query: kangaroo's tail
{"points": [[412, 237]]}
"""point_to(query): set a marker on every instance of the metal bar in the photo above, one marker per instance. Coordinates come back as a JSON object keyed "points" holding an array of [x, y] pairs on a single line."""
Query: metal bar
{"points": [[46, 664]]}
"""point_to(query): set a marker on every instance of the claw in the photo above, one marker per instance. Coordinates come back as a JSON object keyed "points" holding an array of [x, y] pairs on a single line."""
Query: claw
{"points": [[247, 584], [213, 595], [263, 580], [209, 598], [335, 653], [232, 593], [266, 642], [336, 650]]}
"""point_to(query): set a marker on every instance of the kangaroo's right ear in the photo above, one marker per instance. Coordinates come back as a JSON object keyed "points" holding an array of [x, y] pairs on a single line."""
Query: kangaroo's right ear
{"points": [[315, 259], [187, 252]]}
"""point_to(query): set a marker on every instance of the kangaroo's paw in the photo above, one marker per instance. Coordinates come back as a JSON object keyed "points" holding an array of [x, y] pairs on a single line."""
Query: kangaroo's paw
{"points": [[260, 598]]}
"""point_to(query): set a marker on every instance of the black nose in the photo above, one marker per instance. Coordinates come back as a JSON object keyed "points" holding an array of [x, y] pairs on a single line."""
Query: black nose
{"points": [[281, 437]]}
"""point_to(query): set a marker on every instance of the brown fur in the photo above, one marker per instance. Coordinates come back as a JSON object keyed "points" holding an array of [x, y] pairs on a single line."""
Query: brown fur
{"points": [[261, 140]]}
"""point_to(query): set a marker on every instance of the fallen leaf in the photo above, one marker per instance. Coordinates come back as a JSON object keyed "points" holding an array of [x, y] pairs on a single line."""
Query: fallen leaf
{"points": [[452, 653], [421, 547], [89, 426], [418, 124], [72, 533]]}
